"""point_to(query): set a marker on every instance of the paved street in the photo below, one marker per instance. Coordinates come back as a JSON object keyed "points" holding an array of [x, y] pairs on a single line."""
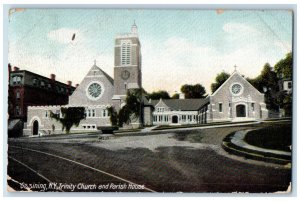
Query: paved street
{"points": [[185, 161]]}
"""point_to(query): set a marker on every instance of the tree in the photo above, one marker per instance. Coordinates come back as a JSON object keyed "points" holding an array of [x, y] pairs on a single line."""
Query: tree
{"points": [[69, 116], [113, 116], [132, 109], [284, 70], [193, 91], [284, 67], [161, 94], [220, 79], [267, 83], [175, 96], [267, 79]]}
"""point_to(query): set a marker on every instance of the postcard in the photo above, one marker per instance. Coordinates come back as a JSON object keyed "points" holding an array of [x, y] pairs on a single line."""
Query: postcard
{"points": [[150, 100]]}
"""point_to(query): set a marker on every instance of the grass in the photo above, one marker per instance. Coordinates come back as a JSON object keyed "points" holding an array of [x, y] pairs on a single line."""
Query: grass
{"points": [[276, 137]]}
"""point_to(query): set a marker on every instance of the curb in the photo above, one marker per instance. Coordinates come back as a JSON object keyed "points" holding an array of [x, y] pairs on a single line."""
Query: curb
{"points": [[231, 148]]}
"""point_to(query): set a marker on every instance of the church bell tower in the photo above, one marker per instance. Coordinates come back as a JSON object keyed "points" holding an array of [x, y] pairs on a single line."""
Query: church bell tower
{"points": [[127, 64]]}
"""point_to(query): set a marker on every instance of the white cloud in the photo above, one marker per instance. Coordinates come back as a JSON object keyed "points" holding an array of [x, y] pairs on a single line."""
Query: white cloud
{"points": [[283, 45], [71, 63], [178, 61], [63, 35], [237, 28]]}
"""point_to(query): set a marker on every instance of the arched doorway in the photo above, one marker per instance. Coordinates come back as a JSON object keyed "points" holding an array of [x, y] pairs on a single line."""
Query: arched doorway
{"points": [[175, 119], [240, 111], [35, 129]]}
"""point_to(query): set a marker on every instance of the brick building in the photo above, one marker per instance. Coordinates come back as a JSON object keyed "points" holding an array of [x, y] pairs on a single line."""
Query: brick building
{"points": [[30, 89]]}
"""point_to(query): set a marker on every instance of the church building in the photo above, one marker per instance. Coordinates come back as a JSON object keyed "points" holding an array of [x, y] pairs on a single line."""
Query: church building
{"points": [[97, 91]]}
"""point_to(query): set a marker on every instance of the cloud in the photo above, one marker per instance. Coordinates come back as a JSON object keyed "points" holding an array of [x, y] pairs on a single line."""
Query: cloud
{"points": [[237, 28], [178, 61], [283, 45], [63, 35], [72, 63]]}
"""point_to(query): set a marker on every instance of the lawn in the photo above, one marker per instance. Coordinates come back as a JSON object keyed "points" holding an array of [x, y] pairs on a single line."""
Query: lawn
{"points": [[277, 137]]}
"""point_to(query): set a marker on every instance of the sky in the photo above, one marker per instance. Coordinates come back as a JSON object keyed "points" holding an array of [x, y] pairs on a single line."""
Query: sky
{"points": [[178, 46]]}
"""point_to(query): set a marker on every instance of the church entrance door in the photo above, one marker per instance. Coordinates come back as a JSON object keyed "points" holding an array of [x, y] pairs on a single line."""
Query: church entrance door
{"points": [[175, 119], [240, 111], [35, 127]]}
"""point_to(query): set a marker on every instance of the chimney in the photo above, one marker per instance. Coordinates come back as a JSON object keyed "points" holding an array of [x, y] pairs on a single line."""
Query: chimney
{"points": [[16, 68], [181, 96], [52, 77], [9, 71], [76, 85], [69, 83]]}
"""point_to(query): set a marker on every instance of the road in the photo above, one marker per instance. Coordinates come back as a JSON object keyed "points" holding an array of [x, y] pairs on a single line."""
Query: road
{"points": [[56, 165]]}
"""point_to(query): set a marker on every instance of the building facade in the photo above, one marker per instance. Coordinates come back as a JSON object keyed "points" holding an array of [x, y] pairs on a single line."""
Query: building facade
{"points": [[29, 89], [235, 100], [97, 92]]}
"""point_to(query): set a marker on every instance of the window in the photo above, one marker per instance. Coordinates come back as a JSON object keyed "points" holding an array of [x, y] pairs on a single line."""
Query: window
{"points": [[289, 85], [90, 113], [160, 109], [18, 95], [34, 81], [42, 84], [184, 118], [125, 53], [220, 107], [46, 114], [14, 79], [104, 113], [252, 106], [18, 79], [17, 110]]}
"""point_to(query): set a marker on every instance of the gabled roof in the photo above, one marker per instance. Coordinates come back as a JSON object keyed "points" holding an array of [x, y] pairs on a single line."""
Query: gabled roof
{"points": [[95, 70], [182, 104], [235, 72]]}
